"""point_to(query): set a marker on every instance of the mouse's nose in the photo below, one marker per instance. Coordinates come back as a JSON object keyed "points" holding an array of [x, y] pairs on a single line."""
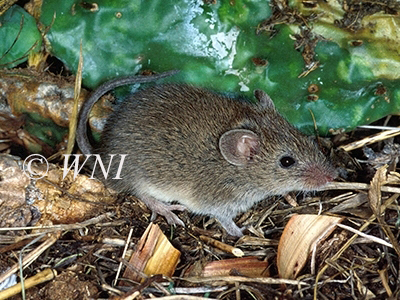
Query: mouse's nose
{"points": [[315, 175]]}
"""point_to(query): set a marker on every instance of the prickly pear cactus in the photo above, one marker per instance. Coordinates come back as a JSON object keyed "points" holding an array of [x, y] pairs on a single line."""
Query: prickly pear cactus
{"points": [[19, 36], [308, 55]]}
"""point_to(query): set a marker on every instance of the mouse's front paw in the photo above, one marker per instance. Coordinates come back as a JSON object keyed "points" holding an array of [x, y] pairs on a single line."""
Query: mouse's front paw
{"points": [[164, 209]]}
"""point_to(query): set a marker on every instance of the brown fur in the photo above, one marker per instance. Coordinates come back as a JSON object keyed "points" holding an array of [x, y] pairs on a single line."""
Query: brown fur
{"points": [[171, 134]]}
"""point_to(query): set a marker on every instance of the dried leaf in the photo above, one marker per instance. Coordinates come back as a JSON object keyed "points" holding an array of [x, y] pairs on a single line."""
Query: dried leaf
{"points": [[300, 236], [154, 255], [249, 266], [393, 178], [374, 194], [368, 294]]}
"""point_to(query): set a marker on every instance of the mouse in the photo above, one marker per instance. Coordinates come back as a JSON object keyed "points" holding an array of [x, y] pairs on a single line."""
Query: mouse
{"points": [[188, 147]]}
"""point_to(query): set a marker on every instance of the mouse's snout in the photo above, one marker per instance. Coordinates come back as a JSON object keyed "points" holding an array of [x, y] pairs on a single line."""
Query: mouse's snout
{"points": [[315, 176]]}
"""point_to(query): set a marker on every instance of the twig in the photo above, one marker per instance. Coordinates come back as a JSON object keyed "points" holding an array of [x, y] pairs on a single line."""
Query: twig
{"points": [[29, 258], [45, 275], [222, 246]]}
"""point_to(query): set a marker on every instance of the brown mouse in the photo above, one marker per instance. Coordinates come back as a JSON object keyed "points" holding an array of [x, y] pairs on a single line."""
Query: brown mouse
{"points": [[215, 155]]}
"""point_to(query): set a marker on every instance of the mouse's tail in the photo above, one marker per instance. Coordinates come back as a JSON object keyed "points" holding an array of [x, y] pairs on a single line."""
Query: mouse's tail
{"points": [[81, 137]]}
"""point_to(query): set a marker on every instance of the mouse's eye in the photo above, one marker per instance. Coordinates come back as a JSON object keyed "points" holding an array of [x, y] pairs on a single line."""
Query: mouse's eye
{"points": [[287, 161]]}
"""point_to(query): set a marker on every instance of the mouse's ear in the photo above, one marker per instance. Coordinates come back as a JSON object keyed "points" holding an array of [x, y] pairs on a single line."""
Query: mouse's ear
{"points": [[264, 99], [239, 146]]}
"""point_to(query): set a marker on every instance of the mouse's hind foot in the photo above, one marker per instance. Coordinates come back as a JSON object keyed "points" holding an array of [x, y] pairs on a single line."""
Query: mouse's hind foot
{"points": [[164, 209], [230, 226]]}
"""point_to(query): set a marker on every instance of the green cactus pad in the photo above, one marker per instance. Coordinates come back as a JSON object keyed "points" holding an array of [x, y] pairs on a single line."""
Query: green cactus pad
{"points": [[216, 46], [19, 36]]}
